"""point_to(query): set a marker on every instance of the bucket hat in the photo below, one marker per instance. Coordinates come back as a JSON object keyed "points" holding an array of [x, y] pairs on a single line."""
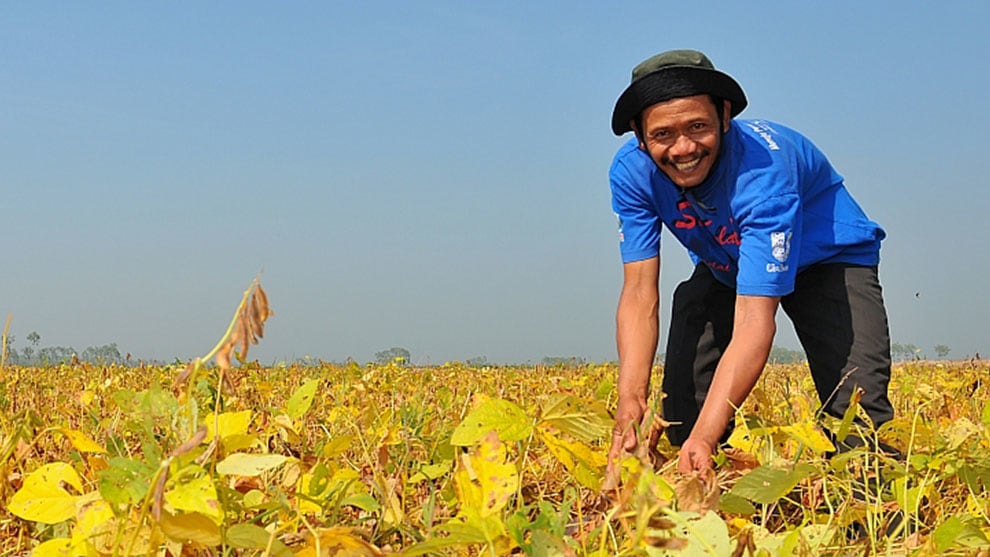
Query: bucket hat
{"points": [[670, 75]]}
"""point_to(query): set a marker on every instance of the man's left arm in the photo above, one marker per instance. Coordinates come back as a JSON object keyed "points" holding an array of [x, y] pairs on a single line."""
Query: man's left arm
{"points": [[737, 372]]}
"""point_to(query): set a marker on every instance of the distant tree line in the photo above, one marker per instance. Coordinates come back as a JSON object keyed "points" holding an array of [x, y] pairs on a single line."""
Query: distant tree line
{"points": [[36, 355], [901, 352]]}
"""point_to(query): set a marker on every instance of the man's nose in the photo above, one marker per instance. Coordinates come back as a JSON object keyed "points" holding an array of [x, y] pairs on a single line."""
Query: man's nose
{"points": [[683, 145]]}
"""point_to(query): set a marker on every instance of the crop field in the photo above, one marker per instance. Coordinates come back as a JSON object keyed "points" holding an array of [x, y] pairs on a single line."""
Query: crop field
{"points": [[459, 460], [392, 459]]}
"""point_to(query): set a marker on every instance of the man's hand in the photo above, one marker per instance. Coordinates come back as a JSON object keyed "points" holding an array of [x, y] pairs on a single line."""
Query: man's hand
{"points": [[696, 456], [628, 414]]}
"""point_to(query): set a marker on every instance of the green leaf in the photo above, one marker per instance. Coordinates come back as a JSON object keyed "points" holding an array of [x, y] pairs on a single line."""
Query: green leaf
{"points": [[734, 504], [767, 484], [502, 416], [301, 400], [459, 534], [431, 472], [849, 416], [363, 501], [909, 498], [545, 544], [954, 532], [249, 536], [244, 464], [584, 420], [42, 497], [705, 535], [126, 481]]}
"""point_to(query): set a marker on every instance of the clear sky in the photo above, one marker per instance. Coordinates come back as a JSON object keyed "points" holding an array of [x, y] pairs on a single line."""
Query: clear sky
{"points": [[433, 175]]}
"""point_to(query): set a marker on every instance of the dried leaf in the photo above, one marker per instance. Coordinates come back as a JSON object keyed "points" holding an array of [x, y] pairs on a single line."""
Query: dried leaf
{"points": [[156, 506], [243, 337], [185, 375], [223, 356], [262, 301], [191, 443], [740, 460], [696, 493]]}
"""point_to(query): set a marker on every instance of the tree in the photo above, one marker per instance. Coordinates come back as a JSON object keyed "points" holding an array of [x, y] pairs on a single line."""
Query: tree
{"points": [[904, 351], [781, 355], [942, 350], [477, 361], [102, 355], [55, 355], [563, 361], [395, 354]]}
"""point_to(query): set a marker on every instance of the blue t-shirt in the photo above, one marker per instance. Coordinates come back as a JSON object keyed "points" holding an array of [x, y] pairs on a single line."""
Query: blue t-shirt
{"points": [[771, 206]]}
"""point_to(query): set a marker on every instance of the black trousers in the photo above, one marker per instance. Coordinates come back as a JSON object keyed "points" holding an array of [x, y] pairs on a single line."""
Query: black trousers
{"points": [[838, 314]]}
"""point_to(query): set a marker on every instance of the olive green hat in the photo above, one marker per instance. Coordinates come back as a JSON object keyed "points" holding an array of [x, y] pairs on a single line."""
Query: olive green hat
{"points": [[670, 75]]}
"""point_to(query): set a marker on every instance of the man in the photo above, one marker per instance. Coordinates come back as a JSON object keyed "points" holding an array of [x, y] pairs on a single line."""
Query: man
{"points": [[768, 222]]}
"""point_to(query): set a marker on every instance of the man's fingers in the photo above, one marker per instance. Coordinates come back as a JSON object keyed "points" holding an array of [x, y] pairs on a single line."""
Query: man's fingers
{"points": [[629, 441]]}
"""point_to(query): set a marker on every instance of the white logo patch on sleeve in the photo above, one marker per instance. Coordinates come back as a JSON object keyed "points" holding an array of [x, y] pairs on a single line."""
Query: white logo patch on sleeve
{"points": [[780, 248]]}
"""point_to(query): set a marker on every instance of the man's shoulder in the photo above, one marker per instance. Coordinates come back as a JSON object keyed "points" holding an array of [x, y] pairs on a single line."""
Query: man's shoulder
{"points": [[629, 149], [769, 135], [631, 159]]}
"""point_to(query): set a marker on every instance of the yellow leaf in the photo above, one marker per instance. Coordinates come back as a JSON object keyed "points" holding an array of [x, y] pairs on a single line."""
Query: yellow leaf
{"points": [[58, 547], [809, 435], [93, 518], [82, 442], [86, 397], [287, 428], [741, 438], [339, 540], [109, 542], [198, 495], [42, 497], [235, 443], [195, 527], [337, 445], [244, 464], [587, 466], [485, 482], [230, 423]]}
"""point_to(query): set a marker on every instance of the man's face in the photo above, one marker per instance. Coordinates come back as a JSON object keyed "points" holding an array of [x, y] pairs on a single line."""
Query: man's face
{"points": [[682, 136]]}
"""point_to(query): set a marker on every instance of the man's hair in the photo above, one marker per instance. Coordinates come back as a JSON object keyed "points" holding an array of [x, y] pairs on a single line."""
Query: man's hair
{"points": [[719, 103]]}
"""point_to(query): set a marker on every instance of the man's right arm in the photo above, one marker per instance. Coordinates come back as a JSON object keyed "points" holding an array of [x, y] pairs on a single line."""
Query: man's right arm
{"points": [[637, 334]]}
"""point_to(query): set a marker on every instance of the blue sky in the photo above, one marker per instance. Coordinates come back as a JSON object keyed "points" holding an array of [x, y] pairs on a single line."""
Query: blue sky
{"points": [[433, 175]]}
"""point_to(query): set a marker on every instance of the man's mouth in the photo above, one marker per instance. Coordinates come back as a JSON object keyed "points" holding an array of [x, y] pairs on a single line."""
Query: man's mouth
{"points": [[687, 166]]}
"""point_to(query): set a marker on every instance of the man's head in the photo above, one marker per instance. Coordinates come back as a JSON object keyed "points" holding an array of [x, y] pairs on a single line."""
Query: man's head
{"points": [[679, 105], [683, 136]]}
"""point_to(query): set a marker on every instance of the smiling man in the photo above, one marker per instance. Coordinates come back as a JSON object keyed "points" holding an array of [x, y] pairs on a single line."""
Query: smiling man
{"points": [[768, 222]]}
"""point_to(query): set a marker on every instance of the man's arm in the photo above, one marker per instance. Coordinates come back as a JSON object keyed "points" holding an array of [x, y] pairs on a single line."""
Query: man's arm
{"points": [[636, 335], [741, 365]]}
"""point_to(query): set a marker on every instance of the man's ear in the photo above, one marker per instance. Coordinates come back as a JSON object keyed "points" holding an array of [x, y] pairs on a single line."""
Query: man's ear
{"points": [[726, 115]]}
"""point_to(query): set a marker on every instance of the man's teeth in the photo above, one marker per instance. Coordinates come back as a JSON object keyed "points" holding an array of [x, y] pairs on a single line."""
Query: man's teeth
{"points": [[687, 166]]}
